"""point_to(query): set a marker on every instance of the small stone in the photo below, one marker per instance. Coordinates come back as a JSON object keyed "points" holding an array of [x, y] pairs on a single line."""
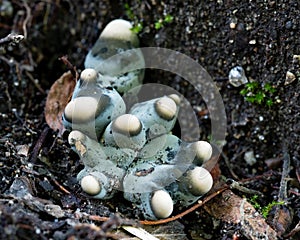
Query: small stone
{"points": [[296, 57], [250, 158], [261, 137], [22, 149], [232, 25], [288, 25], [237, 76], [6, 9], [54, 210], [289, 78]]}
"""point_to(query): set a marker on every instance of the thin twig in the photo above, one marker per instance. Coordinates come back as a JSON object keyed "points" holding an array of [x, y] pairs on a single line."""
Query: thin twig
{"points": [[163, 221], [97, 218], [193, 208], [7, 95], [229, 166], [238, 186], [27, 18], [35, 83], [62, 188], [293, 232], [282, 195], [70, 66], [38, 145]]}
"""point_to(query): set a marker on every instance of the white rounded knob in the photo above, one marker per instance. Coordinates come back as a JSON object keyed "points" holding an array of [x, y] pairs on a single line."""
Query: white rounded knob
{"points": [[89, 75], [175, 98], [76, 136], [203, 150], [90, 185], [120, 29], [127, 124], [166, 108], [161, 204], [199, 181]]}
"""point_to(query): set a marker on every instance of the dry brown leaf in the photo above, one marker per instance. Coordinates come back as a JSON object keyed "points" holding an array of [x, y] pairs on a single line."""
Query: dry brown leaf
{"points": [[57, 99], [233, 209]]}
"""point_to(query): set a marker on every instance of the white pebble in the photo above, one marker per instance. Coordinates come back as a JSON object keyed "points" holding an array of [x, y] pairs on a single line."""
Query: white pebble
{"points": [[250, 158], [237, 76]]}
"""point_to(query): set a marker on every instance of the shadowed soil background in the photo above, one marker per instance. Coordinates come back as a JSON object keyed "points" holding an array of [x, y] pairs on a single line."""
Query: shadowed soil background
{"points": [[40, 198]]}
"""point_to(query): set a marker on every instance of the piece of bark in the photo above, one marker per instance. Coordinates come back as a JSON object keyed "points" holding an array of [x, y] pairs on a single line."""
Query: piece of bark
{"points": [[233, 209], [281, 217]]}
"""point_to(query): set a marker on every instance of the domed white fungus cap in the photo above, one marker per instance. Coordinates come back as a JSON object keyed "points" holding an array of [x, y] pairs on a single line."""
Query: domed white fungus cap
{"points": [[90, 185], [161, 204], [166, 108], [89, 75], [120, 29], [82, 109], [76, 136], [175, 98], [199, 181], [203, 150], [127, 124]]}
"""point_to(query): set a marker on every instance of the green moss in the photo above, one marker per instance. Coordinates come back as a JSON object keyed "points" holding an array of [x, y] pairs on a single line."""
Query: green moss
{"points": [[138, 25], [158, 24], [137, 28], [161, 22], [168, 18], [266, 209], [258, 94]]}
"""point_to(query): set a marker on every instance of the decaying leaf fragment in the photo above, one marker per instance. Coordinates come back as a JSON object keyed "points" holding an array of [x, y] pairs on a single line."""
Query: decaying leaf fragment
{"points": [[57, 99], [233, 209]]}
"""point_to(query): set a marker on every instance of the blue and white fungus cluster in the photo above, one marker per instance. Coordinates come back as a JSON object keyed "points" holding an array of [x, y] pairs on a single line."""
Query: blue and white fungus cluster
{"points": [[134, 151]]}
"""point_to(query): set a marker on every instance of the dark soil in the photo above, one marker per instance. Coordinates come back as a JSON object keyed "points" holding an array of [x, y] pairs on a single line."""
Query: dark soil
{"points": [[35, 162]]}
